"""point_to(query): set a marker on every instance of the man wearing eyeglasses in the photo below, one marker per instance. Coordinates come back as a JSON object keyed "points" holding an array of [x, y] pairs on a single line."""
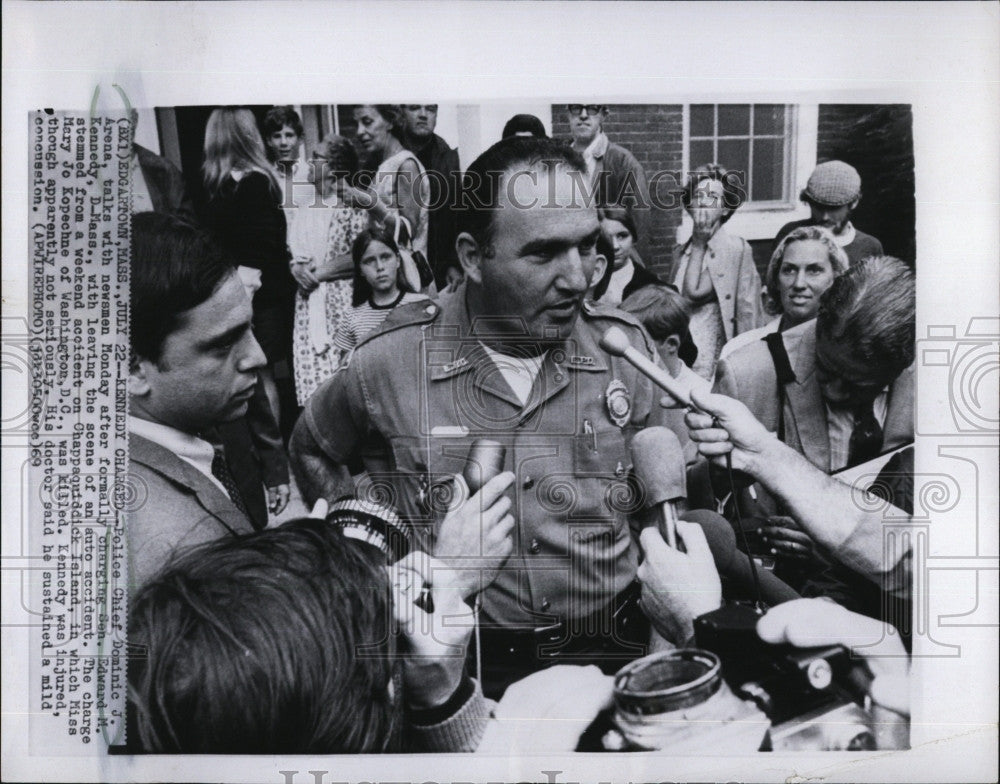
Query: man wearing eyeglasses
{"points": [[419, 122], [619, 177]]}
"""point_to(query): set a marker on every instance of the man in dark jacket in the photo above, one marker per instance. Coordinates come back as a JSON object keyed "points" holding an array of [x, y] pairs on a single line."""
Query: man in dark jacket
{"points": [[435, 155]]}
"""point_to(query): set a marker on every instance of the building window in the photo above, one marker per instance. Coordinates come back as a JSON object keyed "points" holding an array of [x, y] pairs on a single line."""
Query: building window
{"points": [[755, 139]]}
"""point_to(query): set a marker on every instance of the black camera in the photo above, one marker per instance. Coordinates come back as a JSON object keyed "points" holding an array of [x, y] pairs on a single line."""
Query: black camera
{"points": [[812, 696]]}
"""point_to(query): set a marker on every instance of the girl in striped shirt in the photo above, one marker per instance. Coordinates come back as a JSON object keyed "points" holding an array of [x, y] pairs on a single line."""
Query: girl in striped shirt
{"points": [[379, 286]]}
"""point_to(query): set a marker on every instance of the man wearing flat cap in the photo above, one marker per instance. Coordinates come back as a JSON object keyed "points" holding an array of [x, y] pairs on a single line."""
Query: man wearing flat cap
{"points": [[832, 193]]}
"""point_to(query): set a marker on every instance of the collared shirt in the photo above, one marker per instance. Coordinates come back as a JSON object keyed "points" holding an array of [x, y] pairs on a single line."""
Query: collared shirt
{"points": [[519, 372], [619, 280], [595, 150], [414, 398], [840, 424], [194, 451]]}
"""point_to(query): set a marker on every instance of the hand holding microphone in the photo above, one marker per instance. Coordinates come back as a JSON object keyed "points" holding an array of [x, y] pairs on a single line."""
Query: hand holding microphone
{"points": [[724, 426], [678, 586], [475, 538]]}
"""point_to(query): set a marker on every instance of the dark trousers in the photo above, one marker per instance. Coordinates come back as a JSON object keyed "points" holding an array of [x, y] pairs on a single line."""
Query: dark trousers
{"points": [[610, 638]]}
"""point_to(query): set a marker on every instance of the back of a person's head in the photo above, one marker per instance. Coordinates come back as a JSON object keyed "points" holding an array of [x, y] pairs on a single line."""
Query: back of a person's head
{"points": [[872, 308], [233, 143], [175, 267], [273, 643], [660, 309], [524, 125], [483, 180]]}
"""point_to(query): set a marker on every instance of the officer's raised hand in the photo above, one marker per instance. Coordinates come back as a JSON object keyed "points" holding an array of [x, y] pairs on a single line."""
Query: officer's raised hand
{"points": [[475, 536]]}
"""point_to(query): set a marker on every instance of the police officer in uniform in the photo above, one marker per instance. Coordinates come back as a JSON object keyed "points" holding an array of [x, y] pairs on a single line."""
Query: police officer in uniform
{"points": [[512, 356]]}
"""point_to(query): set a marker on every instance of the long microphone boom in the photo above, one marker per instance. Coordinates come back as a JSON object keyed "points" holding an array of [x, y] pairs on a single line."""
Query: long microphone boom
{"points": [[616, 343]]}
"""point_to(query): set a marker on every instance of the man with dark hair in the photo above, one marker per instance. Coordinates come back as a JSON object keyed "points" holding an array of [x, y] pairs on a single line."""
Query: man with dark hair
{"points": [[513, 357], [283, 133], [618, 177], [851, 394], [524, 125], [419, 122], [284, 642], [837, 389], [832, 193], [193, 367]]}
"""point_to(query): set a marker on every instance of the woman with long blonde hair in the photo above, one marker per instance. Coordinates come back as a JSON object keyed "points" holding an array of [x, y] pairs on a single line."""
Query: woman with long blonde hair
{"points": [[244, 211]]}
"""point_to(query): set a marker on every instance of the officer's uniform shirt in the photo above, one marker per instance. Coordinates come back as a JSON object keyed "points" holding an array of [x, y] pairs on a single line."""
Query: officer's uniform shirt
{"points": [[414, 397]]}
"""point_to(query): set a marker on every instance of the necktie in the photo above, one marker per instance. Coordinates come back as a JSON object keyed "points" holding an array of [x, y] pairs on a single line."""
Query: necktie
{"points": [[866, 438], [220, 470]]}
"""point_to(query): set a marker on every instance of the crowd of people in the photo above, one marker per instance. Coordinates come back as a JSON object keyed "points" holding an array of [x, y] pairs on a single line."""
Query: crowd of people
{"points": [[415, 326]]}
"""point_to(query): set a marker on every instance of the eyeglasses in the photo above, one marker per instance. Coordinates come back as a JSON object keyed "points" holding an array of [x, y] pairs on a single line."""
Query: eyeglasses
{"points": [[430, 108], [577, 108]]}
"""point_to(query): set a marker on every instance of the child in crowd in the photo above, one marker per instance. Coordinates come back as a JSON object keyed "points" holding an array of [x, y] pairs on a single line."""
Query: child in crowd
{"points": [[378, 287], [664, 313]]}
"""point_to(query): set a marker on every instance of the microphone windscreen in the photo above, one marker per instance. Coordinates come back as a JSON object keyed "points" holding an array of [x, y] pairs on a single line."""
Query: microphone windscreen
{"points": [[734, 564], [615, 342], [718, 533], [658, 461]]}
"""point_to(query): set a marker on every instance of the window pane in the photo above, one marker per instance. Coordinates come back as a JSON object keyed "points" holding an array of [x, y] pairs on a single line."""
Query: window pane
{"points": [[734, 155], [702, 119], [768, 119], [701, 153], [768, 169], [734, 119]]}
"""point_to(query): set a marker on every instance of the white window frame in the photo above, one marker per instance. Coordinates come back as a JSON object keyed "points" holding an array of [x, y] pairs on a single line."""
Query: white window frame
{"points": [[762, 220]]}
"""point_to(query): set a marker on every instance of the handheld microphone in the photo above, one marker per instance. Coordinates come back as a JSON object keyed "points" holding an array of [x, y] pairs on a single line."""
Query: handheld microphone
{"points": [[485, 461], [735, 565], [658, 461], [616, 343]]}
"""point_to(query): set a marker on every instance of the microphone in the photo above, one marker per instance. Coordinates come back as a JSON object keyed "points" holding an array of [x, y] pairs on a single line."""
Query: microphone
{"points": [[735, 565], [658, 462], [484, 462], [616, 343]]}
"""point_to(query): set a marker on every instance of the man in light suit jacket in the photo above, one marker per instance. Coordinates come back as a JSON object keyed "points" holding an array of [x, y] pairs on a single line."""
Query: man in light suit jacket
{"points": [[837, 389], [193, 368]]}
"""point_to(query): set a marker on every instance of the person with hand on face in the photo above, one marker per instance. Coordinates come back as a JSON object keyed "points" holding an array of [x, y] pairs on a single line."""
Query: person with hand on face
{"points": [[434, 154], [512, 356], [714, 270], [802, 267], [193, 370], [832, 193], [379, 286], [613, 173]]}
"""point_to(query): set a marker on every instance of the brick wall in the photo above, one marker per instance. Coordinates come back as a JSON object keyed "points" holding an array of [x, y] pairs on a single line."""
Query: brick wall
{"points": [[653, 134], [878, 142]]}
